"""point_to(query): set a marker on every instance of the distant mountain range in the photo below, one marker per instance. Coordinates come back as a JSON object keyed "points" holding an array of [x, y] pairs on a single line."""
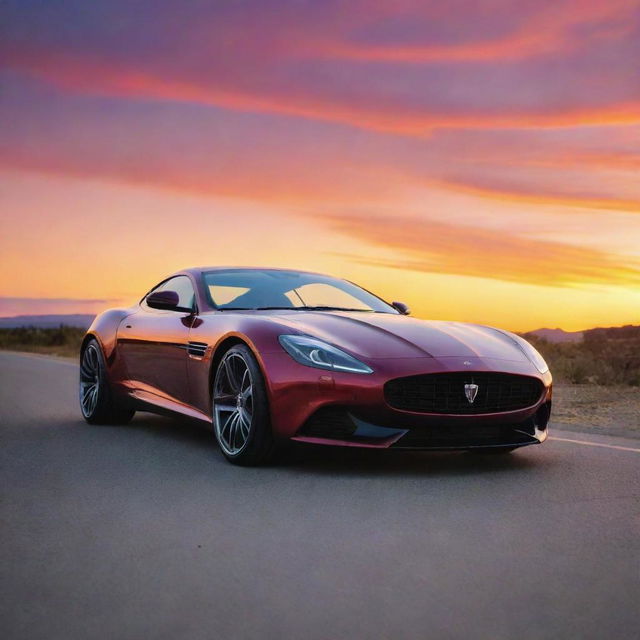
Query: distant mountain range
{"points": [[558, 335], [81, 320], [627, 332]]}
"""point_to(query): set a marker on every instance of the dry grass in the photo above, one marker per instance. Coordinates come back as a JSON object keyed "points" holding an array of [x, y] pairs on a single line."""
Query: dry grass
{"points": [[61, 341], [603, 357], [613, 410]]}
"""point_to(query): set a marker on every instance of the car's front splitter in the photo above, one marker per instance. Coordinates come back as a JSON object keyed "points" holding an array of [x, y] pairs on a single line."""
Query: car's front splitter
{"points": [[342, 428]]}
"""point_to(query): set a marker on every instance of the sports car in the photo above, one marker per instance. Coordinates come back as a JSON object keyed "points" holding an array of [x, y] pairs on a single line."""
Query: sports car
{"points": [[266, 356]]}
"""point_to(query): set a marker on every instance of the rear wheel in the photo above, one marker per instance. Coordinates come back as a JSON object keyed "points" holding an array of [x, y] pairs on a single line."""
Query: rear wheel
{"points": [[97, 403], [240, 409]]}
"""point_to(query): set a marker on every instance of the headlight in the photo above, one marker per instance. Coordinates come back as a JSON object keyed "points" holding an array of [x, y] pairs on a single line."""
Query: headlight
{"points": [[532, 353], [322, 355]]}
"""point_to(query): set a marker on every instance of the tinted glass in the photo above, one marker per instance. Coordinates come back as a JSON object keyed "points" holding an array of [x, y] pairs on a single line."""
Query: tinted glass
{"points": [[260, 289], [183, 287]]}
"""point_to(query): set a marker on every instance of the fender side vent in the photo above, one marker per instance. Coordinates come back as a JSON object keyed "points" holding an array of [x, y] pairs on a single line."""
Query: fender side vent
{"points": [[197, 349]]}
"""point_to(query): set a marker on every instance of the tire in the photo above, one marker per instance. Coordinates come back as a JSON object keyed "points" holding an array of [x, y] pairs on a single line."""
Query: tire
{"points": [[240, 409], [97, 404]]}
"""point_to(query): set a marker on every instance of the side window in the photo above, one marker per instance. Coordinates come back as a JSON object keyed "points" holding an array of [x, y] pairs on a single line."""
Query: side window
{"points": [[183, 287]]}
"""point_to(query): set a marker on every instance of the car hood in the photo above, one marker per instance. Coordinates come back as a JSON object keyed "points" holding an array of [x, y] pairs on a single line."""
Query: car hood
{"points": [[377, 335]]}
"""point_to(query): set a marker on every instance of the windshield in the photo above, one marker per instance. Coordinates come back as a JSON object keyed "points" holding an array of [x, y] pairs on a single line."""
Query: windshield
{"points": [[274, 289]]}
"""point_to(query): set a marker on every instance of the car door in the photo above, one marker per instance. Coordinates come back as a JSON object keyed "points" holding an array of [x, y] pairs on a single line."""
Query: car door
{"points": [[153, 343]]}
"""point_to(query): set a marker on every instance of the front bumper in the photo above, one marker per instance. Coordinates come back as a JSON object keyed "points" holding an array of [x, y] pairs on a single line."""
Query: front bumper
{"points": [[325, 407], [338, 426]]}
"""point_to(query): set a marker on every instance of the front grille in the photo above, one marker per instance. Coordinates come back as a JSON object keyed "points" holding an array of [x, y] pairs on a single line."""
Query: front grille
{"points": [[445, 392]]}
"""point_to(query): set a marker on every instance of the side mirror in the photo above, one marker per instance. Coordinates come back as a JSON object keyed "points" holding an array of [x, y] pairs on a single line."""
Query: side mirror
{"points": [[401, 308], [167, 300]]}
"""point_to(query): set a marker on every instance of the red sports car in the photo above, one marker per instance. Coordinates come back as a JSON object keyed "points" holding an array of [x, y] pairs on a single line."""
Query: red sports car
{"points": [[270, 355]]}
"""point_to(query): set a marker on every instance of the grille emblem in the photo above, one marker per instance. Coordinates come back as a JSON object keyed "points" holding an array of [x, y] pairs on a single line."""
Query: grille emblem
{"points": [[466, 363], [471, 391]]}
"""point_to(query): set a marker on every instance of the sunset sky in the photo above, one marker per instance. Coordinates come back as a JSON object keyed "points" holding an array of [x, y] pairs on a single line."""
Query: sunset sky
{"points": [[478, 160]]}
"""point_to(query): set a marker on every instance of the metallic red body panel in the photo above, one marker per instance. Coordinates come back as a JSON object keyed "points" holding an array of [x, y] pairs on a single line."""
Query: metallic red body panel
{"points": [[152, 344], [297, 391], [149, 359]]}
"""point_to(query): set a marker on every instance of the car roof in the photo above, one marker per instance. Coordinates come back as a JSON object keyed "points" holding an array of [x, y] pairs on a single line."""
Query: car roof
{"points": [[198, 270]]}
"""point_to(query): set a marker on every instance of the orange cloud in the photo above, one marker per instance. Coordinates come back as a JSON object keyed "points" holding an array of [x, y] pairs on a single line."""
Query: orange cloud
{"points": [[487, 189], [101, 78], [619, 160], [298, 179], [282, 183], [436, 247]]}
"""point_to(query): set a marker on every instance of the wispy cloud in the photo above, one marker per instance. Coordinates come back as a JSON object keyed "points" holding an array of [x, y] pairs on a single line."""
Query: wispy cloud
{"points": [[556, 28], [485, 67], [217, 152], [437, 247], [101, 78], [497, 189]]}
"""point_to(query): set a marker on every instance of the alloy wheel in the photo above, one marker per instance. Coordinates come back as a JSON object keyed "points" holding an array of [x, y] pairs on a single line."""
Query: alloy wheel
{"points": [[233, 403], [89, 381]]}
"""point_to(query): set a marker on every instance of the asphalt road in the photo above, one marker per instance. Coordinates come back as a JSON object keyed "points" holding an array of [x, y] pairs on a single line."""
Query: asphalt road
{"points": [[145, 531]]}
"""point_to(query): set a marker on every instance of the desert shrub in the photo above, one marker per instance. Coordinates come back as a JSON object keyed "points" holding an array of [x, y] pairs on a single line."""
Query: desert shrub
{"points": [[61, 339], [604, 356]]}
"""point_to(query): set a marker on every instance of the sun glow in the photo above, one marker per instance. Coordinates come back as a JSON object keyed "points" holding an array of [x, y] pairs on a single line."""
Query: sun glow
{"points": [[455, 160]]}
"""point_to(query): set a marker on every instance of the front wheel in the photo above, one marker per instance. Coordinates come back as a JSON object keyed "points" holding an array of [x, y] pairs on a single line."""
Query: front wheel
{"points": [[97, 403], [240, 409]]}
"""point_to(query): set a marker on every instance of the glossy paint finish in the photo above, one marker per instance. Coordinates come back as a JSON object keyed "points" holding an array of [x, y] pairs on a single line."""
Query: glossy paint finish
{"points": [[165, 361], [152, 344]]}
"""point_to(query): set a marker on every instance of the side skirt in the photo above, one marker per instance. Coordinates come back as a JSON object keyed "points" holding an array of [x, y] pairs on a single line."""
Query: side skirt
{"points": [[145, 401]]}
